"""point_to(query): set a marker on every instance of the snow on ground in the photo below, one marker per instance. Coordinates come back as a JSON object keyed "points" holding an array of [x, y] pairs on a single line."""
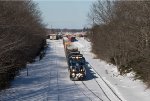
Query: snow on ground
{"points": [[48, 80], [125, 86]]}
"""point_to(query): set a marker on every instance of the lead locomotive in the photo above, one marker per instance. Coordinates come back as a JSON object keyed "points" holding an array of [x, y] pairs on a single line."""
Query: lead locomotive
{"points": [[76, 65], [75, 60]]}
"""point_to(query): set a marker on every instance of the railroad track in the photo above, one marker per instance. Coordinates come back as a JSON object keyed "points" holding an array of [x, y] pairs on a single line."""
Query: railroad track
{"points": [[104, 92], [91, 91], [106, 85], [100, 99], [56, 65], [84, 84], [53, 60], [82, 91]]}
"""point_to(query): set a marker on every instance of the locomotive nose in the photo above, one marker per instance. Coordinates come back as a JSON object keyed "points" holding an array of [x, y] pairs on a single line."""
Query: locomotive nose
{"points": [[80, 76]]}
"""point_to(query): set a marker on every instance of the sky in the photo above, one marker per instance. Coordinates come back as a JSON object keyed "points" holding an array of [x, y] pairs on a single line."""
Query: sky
{"points": [[65, 13]]}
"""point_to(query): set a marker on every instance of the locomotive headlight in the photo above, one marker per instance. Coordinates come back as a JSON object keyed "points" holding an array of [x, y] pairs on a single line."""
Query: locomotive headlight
{"points": [[73, 74], [82, 70], [77, 57], [73, 70]]}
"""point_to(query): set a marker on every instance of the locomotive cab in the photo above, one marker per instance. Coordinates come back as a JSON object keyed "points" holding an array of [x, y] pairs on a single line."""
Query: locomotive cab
{"points": [[77, 67]]}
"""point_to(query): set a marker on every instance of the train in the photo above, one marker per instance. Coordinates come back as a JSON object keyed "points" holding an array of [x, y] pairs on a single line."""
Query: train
{"points": [[75, 60]]}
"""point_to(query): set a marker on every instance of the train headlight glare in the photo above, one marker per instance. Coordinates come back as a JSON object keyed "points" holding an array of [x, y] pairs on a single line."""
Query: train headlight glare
{"points": [[73, 74]]}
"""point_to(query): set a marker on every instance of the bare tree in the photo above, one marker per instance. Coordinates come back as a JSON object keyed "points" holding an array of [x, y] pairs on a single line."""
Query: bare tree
{"points": [[120, 35], [22, 36]]}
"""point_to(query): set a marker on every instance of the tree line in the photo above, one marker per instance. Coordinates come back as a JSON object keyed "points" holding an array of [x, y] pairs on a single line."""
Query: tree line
{"points": [[22, 37], [120, 34]]}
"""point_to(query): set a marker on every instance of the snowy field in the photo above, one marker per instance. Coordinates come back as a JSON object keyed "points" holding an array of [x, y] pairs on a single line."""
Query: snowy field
{"points": [[125, 86], [48, 80]]}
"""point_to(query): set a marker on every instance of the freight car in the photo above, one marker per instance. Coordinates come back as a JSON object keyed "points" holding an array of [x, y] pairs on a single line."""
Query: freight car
{"points": [[65, 42], [70, 48]]}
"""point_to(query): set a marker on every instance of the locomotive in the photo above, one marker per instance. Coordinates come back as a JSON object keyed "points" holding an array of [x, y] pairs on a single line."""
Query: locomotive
{"points": [[76, 64], [75, 61]]}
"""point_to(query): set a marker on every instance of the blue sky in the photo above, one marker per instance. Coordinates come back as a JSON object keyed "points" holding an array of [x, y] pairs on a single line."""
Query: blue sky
{"points": [[65, 13]]}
